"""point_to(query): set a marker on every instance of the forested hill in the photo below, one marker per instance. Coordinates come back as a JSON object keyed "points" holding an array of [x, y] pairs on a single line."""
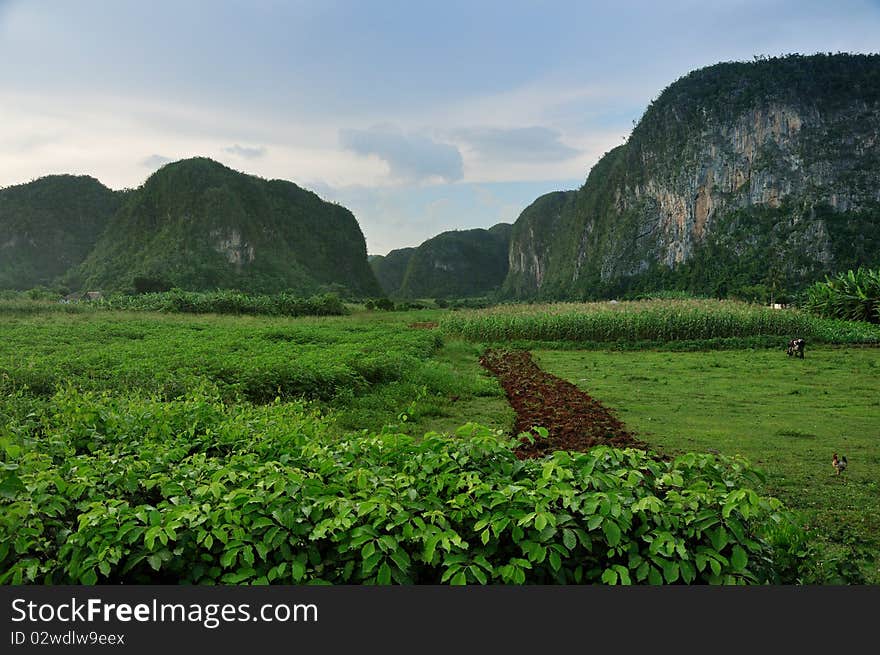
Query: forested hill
{"points": [[50, 225], [740, 178], [196, 224], [458, 264], [391, 268]]}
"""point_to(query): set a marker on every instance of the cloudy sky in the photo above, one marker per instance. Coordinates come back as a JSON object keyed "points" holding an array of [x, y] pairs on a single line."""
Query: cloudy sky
{"points": [[419, 116]]}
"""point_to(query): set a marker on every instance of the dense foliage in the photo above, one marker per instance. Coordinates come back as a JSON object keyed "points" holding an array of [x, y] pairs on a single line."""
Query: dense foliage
{"points": [[141, 447], [44, 301], [854, 296], [50, 225], [651, 321], [227, 302], [98, 489], [196, 224]]}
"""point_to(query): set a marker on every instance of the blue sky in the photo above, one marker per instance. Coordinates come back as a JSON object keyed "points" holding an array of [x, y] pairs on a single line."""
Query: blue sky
{"points": [[420, 117]]}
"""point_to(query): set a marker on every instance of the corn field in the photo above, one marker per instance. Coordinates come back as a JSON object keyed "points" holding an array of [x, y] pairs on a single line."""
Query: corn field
{"points": [[653, 320]]}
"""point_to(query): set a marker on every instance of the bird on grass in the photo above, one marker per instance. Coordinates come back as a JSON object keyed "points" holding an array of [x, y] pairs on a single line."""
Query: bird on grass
{"points": [[839, 463]]}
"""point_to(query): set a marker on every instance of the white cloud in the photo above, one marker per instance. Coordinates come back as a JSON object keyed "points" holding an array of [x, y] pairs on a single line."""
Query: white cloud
{"points": [[246, 152], [534, 144], [116, 138], [155, 161], [410, 157]]}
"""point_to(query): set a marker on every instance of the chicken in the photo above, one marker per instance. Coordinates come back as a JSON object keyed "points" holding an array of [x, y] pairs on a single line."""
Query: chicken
{"points": [[839, 463]]}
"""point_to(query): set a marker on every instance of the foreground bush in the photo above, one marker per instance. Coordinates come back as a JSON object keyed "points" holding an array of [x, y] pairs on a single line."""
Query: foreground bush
{"points": [[853, 296], [102, 490]]}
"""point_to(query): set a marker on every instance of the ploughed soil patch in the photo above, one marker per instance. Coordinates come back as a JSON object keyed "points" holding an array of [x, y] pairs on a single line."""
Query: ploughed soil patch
{"points": [[424, 325], [574, 420]]}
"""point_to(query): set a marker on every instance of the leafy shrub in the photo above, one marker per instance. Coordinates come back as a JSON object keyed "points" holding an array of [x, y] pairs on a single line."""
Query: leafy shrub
{"points": [[385, 304], [146, 284], [228, 302], [108, 490], [852, 296]]}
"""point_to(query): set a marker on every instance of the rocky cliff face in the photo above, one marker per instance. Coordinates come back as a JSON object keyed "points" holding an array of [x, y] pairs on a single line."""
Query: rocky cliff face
{"points": [[737, 175], [530, 238]]}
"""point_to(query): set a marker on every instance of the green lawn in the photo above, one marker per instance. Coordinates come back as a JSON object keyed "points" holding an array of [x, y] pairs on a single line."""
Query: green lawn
{"points": [[786, 416]]}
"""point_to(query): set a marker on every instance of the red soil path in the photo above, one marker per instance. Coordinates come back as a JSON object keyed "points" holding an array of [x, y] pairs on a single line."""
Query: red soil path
{"points": [[574, 420]]}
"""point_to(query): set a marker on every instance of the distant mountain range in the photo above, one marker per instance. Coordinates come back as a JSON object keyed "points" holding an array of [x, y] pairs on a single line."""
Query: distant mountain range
{"points": [[740, 178], [750, 179], [194, 224]]}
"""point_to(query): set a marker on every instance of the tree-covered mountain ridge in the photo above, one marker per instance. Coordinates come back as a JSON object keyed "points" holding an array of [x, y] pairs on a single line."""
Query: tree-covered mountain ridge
{"points": [[199, 225], [453, 264], [50, 225], [760, 175]]}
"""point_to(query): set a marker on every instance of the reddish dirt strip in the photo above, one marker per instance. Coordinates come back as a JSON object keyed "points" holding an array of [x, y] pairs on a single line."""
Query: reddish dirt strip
{"points": [[574, 420]]}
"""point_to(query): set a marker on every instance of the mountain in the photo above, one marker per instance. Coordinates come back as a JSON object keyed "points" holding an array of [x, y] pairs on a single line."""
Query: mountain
{"points": [[197, 224], [390, 269], [50, 225], [752, 177], [458, 264], [533, 231]]}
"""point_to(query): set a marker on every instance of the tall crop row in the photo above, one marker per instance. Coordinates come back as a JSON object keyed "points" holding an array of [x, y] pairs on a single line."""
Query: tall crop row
{"points": [[652, 321]]}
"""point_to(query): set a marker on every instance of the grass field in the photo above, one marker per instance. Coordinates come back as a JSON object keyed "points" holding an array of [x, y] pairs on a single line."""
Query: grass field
{"points": [[787, 416], [367, 370]]}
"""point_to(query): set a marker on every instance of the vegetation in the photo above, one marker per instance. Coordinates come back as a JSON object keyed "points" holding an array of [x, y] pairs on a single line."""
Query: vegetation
{"points": [[227, 302], [50, 225], [194, 225], [651, 322], [177, 301], [253, 358], [103, 490], [140, 447], [854, 296]]}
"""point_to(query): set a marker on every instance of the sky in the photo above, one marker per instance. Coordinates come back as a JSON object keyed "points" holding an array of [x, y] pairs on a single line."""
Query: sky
{"points": [[418, 116]]}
